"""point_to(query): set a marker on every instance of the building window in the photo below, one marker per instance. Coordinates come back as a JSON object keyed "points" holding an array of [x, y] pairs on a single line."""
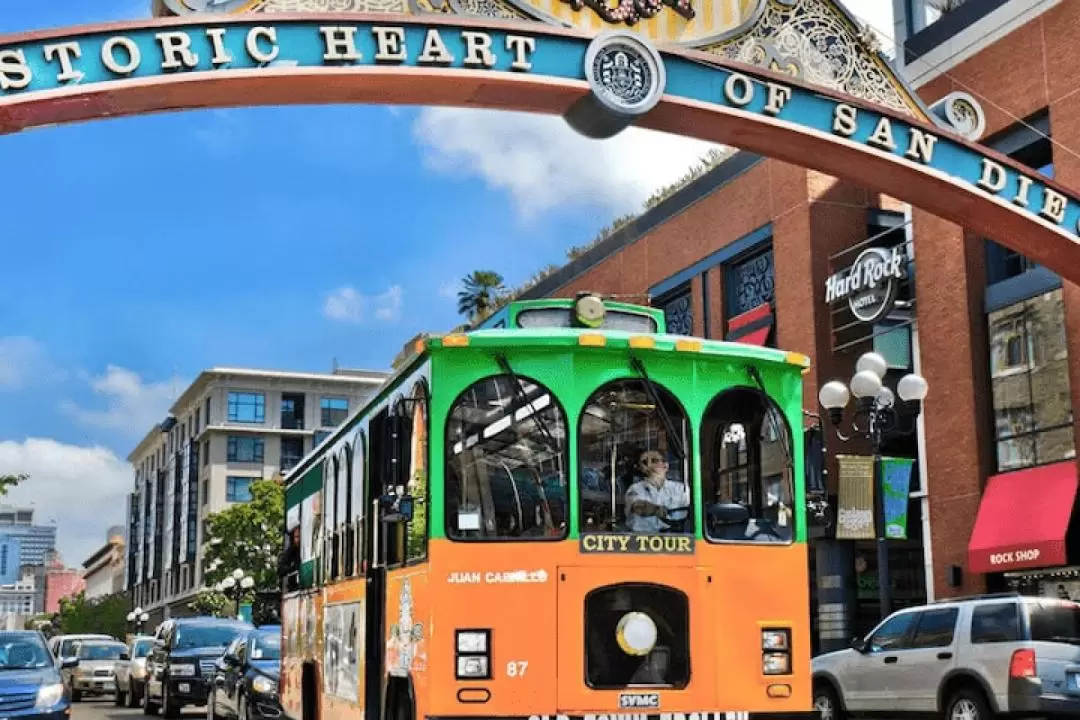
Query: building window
{"points": [[320, 435], [247, 407], [246, 449], [292, 411], [1029, 375], [206, 453], [207, 418], [1001, 262], [678, 310], [292, 451], [333, 411], [238, 489], [748, 283]]}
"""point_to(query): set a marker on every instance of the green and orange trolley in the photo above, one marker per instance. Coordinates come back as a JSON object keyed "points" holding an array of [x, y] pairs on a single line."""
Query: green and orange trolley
{"points": [[473, 542]]}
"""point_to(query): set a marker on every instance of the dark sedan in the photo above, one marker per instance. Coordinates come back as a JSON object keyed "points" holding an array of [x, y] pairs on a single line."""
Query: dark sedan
{"points": [[245, 681], [31, 684]]}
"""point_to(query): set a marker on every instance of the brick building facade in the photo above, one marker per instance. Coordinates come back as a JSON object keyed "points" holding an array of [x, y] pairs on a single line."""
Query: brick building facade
{"points": [[745, 252]]}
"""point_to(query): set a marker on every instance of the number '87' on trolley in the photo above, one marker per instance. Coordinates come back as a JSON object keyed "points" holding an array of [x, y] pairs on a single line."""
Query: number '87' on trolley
{"points": [[565, 512]]}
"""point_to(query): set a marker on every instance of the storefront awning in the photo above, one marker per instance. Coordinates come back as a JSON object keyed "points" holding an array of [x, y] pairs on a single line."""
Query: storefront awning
{"points": [[1023, 518], [752, 327]]}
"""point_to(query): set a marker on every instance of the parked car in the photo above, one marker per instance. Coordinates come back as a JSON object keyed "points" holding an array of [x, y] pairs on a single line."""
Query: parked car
{"points": [[970, 658], [31, 681], [182, 660], [94, 675], [60, 645], [245, 680], [130, 674]]}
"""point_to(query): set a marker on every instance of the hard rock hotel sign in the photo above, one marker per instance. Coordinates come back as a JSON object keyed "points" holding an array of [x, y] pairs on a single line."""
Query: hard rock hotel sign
{"points": [[797, 80]]}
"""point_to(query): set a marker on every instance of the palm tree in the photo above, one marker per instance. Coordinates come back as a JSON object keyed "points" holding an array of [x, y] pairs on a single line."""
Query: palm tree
{"points": [[946, 6], [9, 481], [479, 292]]}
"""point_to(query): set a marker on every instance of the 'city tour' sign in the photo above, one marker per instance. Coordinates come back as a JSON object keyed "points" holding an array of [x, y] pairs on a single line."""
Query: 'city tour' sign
{"points": [[870, 284], [618, 77]]}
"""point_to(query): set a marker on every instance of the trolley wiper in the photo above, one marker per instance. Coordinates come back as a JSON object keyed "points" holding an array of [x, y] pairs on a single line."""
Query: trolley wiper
{"points": [[519, 392], [673, 437], [755, 375]]}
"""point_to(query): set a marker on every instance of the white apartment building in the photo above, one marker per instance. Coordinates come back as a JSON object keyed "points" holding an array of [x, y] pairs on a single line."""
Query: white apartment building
{"points": [[103, 571], [228, 428]]}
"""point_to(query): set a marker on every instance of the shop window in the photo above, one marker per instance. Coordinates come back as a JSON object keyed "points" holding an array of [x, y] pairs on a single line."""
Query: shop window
{"points": [[893, 342], [678, 307], [634, 476], [506, 459], [747, 469], [1029, 368], [749, 283]]}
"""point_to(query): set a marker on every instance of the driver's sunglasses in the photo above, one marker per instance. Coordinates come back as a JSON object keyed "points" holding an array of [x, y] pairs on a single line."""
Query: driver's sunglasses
{"points": [[654, 460]]}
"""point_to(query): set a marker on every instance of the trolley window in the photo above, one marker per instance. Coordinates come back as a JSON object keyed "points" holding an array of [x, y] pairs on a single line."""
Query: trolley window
{"points": [[506, 462], [634, 476], [746, 469]]}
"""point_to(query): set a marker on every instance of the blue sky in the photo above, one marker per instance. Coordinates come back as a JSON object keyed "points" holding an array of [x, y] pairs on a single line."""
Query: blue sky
{"points": [[139, 251]]}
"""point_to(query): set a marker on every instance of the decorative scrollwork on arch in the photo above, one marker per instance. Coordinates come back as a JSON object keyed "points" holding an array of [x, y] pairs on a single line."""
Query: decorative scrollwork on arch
{"points": [[811, 40]]}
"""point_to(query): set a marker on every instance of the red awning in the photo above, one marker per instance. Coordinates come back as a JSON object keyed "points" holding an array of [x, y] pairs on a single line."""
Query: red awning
{"points": [[752, 327], [1023, 518]]}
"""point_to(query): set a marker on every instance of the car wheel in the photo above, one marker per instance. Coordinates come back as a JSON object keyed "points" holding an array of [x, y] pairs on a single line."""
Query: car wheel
{"points": [[210, 704], [118, 697], [826, 703], [132, 695], [76, 696], [968, 704]]}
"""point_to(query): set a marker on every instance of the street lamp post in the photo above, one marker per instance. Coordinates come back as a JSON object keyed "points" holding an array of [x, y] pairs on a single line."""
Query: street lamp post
{"points": [[876, 419], [137, 617], [235, 584]]}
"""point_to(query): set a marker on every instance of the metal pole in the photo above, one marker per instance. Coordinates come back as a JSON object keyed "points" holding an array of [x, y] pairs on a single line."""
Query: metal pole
{"points": [[884, 581]]}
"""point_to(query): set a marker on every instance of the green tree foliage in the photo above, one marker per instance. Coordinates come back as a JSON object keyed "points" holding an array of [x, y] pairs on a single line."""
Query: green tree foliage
{"points": [[248, 536], [211, 602], [107, 615], [480, 291], [9, 481]]}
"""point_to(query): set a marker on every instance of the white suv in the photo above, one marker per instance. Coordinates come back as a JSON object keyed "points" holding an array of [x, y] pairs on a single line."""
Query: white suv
{"points": [[962, 658]]}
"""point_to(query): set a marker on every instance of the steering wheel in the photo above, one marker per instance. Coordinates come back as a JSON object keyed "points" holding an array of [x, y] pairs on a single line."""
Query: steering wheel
{"points": [[766, 528], [674, 521]]}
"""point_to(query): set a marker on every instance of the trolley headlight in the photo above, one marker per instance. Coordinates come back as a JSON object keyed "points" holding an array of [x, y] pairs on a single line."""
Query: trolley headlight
{"points": [[776, 651], [472, 642], [472, 654], [776, 640]]}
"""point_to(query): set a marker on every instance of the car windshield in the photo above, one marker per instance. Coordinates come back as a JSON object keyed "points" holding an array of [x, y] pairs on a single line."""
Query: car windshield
{"points": [[194, 636], [266, 646], [100, 651], [142, 648], [22, 650], [67, 647]]}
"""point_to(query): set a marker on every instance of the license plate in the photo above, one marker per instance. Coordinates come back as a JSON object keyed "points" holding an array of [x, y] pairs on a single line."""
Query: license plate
{"points": [[184, 687]]}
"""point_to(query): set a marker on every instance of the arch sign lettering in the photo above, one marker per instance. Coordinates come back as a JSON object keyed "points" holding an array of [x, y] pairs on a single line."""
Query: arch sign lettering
{"points": [[795, 80]]}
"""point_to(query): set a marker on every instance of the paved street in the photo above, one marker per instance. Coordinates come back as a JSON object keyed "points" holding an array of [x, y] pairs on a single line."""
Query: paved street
{"points": [[103, 709]]}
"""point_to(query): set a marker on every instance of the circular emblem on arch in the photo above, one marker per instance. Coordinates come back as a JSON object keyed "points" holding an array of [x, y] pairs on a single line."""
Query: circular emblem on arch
{"points": [[963, 113], [216, 7], [625, 72]]}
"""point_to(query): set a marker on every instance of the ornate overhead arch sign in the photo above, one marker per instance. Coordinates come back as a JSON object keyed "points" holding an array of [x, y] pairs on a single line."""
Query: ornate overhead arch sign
{"points": [[600, 83]]}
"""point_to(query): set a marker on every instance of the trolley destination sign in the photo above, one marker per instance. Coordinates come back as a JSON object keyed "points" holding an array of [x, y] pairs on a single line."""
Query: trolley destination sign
{"points": [[94, 61]]}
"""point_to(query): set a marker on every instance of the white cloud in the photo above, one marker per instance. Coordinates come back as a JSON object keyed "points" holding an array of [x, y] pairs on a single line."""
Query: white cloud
{"points": [[21, 360], [348, 305], [58, 473], [449, 289], [543, 164], [131, 405]]}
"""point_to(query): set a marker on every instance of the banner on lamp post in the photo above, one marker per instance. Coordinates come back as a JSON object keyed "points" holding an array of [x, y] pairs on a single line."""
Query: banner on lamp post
{"points": [[855, 511], [895, 486]]}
